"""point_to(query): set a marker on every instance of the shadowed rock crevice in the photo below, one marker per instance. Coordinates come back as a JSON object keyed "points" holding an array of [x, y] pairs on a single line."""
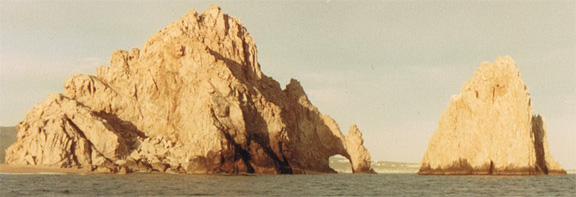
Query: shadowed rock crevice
{"points": [[538, 133], [88, 146], [239, 154]]}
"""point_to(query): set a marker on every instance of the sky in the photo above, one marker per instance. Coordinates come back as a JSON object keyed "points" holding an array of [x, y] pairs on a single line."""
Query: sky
{"points": [[390, 67]]}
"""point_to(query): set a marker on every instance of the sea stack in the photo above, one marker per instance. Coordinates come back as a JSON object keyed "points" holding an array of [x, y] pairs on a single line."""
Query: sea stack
{"points": [[192, 100], [489, 129]]}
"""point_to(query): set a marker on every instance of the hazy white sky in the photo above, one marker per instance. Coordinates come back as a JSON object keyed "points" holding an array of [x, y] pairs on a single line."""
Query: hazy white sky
{"points": [[388, 66]]}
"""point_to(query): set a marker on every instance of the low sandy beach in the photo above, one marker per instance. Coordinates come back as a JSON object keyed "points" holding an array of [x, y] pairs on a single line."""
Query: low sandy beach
{"points": [[27, 169]]}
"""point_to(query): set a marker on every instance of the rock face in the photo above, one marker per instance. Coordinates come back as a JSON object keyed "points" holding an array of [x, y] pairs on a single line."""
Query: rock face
{"points": [[192, 100], [489, 129]]}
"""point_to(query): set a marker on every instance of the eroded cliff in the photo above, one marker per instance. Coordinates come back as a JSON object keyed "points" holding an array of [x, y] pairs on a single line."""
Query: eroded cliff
{"points": [[192, 100], [490, 129]]}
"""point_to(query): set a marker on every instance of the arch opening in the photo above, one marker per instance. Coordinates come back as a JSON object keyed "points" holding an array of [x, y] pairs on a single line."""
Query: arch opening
{"points": [[340, 164]]}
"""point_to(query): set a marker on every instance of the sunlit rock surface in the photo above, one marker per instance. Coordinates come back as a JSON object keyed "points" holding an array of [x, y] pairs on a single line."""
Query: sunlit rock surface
{"points": [[192, 100], [490, 129]]}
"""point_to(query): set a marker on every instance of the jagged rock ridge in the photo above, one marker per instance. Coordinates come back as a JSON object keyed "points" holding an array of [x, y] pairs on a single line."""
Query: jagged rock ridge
{"points": [[192, 100], [490, 129]]}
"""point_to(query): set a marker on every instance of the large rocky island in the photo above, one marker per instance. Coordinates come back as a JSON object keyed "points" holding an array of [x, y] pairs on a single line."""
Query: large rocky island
{"points": [[192, 100], [489, 129]]}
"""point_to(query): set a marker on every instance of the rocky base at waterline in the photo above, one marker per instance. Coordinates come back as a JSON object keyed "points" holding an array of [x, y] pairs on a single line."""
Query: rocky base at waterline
{"points": [[489, 129], [192, 100]]}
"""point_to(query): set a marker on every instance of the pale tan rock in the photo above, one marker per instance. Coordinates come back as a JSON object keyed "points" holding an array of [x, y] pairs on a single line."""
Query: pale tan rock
{"points": [[489, 128], [193, 99], [356, 149], [61, 132]]}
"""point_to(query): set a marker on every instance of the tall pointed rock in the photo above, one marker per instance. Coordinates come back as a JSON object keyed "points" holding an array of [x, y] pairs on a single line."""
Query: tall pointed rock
{"points": [[192, 100], [489, 128]]}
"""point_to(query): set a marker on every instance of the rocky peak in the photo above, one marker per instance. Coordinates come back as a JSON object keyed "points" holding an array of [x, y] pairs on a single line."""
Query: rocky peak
{"points": [[218, 34], [490, 129], [192, 100], [493, 81], [295, 91]]}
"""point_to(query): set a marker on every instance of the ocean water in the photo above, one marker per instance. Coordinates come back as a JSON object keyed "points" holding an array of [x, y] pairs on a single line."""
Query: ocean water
{"points": [[290, 185]]}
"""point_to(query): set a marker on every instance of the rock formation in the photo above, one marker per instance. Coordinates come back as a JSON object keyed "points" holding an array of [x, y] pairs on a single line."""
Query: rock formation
{"points": [[192, 100], [489, 129]]}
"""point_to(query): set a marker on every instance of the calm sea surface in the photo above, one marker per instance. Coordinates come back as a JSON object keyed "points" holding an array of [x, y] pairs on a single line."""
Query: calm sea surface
{"points": [[292, 185]]}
